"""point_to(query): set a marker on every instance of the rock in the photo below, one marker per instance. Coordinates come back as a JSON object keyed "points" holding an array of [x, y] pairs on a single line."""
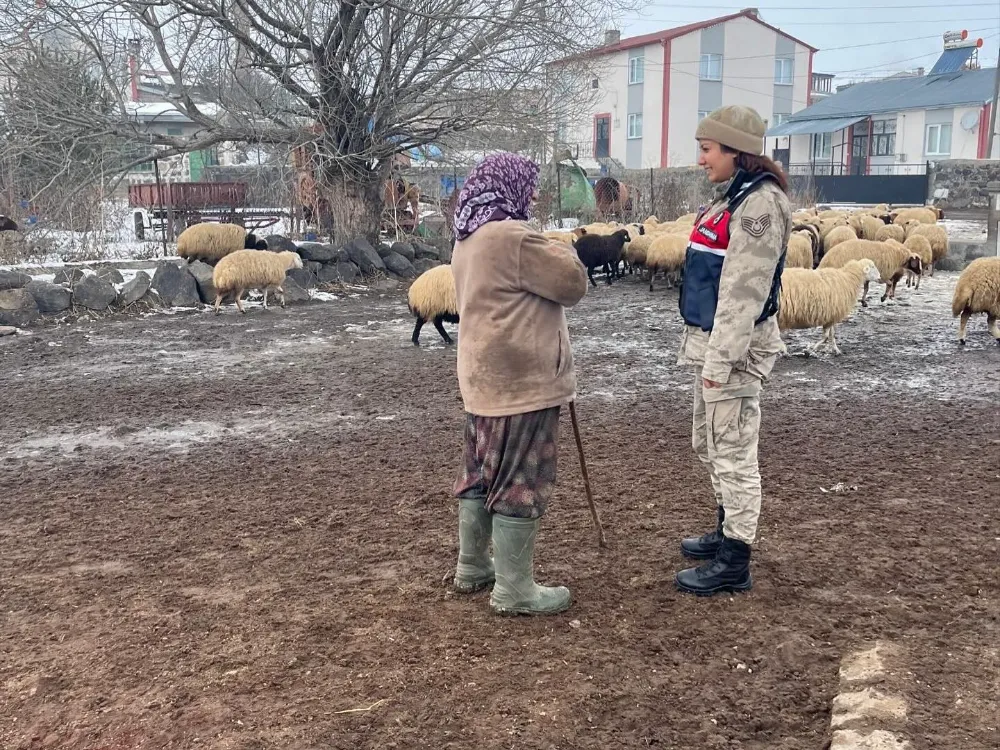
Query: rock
{"points": [[7, 330], [363, 255], [399, 265], [405, 250], [317, 251], [445, 251], [134, 290], [304, 278], [383, 250], [18, 308], [424, 264], [68, 276], [343, 256], [94, 293], [13, 279], [202, 273], [294, 292], [335, 273], [312, 266], [277, 244], [385, 285], [175, 285], [109, 273], [50, 298], [422, 250]]}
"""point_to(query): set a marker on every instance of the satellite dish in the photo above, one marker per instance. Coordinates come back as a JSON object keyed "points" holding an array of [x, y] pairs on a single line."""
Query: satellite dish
{"points": [[970, 120]]}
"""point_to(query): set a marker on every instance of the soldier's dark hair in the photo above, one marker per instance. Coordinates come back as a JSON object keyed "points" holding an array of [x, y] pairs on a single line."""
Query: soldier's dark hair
{"points": [[753, 164]]}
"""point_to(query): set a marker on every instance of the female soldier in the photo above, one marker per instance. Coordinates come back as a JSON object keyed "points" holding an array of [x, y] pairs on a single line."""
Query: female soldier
{"points": [[515, 371], [729, 301]]}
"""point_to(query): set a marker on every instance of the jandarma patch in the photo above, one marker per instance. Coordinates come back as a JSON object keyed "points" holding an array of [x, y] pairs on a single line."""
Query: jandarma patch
{"points": [[755, 227]]}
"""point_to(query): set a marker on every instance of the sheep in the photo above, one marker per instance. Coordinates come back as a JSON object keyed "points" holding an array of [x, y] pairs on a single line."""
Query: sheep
{"points": [[688, 219], [891, 258], [824, 297], [7, 224], [566, 238], [667, 254], [251, 269], [890, 232], [800, 251], [938, 238], [815, 240], [978, 291], [832, 213], [212, 242], [432, 298], [922, 247], [828, 225], [870, 227], [836, 236], [923, 215], [597, 250]]}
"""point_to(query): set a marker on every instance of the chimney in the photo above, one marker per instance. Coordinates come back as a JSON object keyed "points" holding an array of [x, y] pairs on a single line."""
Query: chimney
{"points": [[612, 36], [920, 71], [751, 12]]}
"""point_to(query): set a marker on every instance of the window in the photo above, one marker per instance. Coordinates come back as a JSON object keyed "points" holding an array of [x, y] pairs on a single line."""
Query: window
{"points": [[175, 130], [780, 118], [711, 67], [634, 126], [883, 137], [822, 145], [784, 68], [595, 83], [702, 114], [938, 141], [635, 69]]}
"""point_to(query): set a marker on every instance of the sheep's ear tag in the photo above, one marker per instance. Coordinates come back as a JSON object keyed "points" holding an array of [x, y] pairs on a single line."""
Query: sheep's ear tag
{"points": [[755, 227]]}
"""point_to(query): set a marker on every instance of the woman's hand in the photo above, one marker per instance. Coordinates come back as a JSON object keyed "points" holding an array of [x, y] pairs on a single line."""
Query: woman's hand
{"points": [[710, 383]]}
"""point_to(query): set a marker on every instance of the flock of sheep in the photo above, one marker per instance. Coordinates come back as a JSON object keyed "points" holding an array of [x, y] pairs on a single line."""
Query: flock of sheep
{"points": [[832, 257]]}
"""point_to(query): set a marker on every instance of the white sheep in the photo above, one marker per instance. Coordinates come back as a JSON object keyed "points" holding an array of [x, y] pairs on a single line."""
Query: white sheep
{"points": [[890, 232], [938, 238], [837, 235], [891, 258], [923, 215], [211, 242], [800, 250], [667, 254], [978, 291], [252, 269], [824, 297], [432, 298]]}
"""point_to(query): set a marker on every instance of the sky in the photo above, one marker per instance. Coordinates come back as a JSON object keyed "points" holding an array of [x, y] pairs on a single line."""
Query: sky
{"points": [[897, 35]]}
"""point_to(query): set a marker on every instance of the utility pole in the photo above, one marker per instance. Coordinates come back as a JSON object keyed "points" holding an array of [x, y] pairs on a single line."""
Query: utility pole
{"points": [[993, 112]]}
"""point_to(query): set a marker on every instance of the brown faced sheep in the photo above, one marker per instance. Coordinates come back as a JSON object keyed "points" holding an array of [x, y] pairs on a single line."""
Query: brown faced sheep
{"points": [[210, 242], [919, 245], [978, 291], [938, 238], [432, 298], [252, 269]]}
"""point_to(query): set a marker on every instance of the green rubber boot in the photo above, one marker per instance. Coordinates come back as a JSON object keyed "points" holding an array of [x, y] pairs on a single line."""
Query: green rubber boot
{"points": [[516, 592], [475, 566]]}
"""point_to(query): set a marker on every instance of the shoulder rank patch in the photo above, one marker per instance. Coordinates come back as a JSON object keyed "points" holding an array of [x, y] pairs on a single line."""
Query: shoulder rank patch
{"points": [[755, 227]]}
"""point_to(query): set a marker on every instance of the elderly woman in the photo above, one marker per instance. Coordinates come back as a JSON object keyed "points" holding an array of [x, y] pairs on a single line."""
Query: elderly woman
{"points": [[515, 371], [729, 302]]}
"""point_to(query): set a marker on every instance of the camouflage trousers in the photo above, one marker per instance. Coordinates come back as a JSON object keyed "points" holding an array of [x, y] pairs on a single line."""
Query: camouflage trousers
{"points": [[725, 432], [510, 462]]}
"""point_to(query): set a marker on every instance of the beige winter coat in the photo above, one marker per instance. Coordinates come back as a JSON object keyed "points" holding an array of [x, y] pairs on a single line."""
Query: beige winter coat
{"points": [[514, 354]]}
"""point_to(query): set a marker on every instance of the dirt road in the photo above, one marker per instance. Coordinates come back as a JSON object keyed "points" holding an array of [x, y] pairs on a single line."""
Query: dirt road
{"points": [[237, 533]]}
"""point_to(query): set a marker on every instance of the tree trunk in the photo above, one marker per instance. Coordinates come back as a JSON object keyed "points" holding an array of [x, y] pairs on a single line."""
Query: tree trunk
{"points": [[356, 207]]}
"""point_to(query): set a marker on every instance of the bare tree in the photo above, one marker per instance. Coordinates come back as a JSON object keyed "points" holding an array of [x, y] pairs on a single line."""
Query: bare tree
{"points": [[353, 81]]}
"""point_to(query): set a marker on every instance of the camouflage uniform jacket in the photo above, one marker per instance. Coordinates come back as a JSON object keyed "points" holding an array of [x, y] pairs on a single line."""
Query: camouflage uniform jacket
{"points": [[759, 231]]}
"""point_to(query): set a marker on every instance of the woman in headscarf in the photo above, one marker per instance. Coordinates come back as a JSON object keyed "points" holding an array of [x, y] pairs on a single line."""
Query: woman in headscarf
{"points": [[515, 371]]}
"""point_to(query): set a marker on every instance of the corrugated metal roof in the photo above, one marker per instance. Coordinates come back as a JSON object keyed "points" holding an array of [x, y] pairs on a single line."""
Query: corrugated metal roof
{"points": [[804, 127], [952, 60], [965, 88]]}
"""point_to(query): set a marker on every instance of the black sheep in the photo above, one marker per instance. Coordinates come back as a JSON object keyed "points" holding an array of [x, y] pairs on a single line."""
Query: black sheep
{"points": [[596, 250], [7, 224]]}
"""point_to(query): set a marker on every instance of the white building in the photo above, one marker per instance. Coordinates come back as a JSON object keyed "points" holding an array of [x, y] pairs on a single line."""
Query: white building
{"points": [[651, 90], [893, 126]]}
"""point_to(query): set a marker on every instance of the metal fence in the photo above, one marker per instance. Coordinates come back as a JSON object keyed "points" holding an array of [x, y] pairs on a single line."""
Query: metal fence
{"points": [[820, 169]]}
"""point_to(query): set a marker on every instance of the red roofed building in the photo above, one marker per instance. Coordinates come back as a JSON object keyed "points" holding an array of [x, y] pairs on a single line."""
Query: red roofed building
{"points": [[650, 91]]}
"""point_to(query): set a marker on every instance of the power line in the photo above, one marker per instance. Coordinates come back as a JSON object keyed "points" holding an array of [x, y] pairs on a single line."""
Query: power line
{"points": [[827, 7], [908, 22]]}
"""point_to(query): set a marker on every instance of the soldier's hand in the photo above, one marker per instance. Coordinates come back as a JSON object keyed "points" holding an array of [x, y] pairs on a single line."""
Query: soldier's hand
{"points": [[710, 383]]}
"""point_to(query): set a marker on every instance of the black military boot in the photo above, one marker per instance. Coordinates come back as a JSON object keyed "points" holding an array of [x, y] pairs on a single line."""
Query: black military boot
{"points": [[705, 546], [729, 571]]}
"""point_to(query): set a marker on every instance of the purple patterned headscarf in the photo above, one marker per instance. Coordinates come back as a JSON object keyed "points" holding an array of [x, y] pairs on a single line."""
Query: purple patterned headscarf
{"points": [[499, 187]]}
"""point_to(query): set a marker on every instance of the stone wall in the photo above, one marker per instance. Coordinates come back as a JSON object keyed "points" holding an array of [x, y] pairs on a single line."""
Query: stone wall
{"points": [[962, 183]]}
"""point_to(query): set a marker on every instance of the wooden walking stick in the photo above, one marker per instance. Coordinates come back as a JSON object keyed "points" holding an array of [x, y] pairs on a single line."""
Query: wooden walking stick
{"points": [[601, 541]]}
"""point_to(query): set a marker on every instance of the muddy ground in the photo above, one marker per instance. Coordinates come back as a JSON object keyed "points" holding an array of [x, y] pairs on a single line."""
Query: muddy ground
{"points": [[236, 532]]}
